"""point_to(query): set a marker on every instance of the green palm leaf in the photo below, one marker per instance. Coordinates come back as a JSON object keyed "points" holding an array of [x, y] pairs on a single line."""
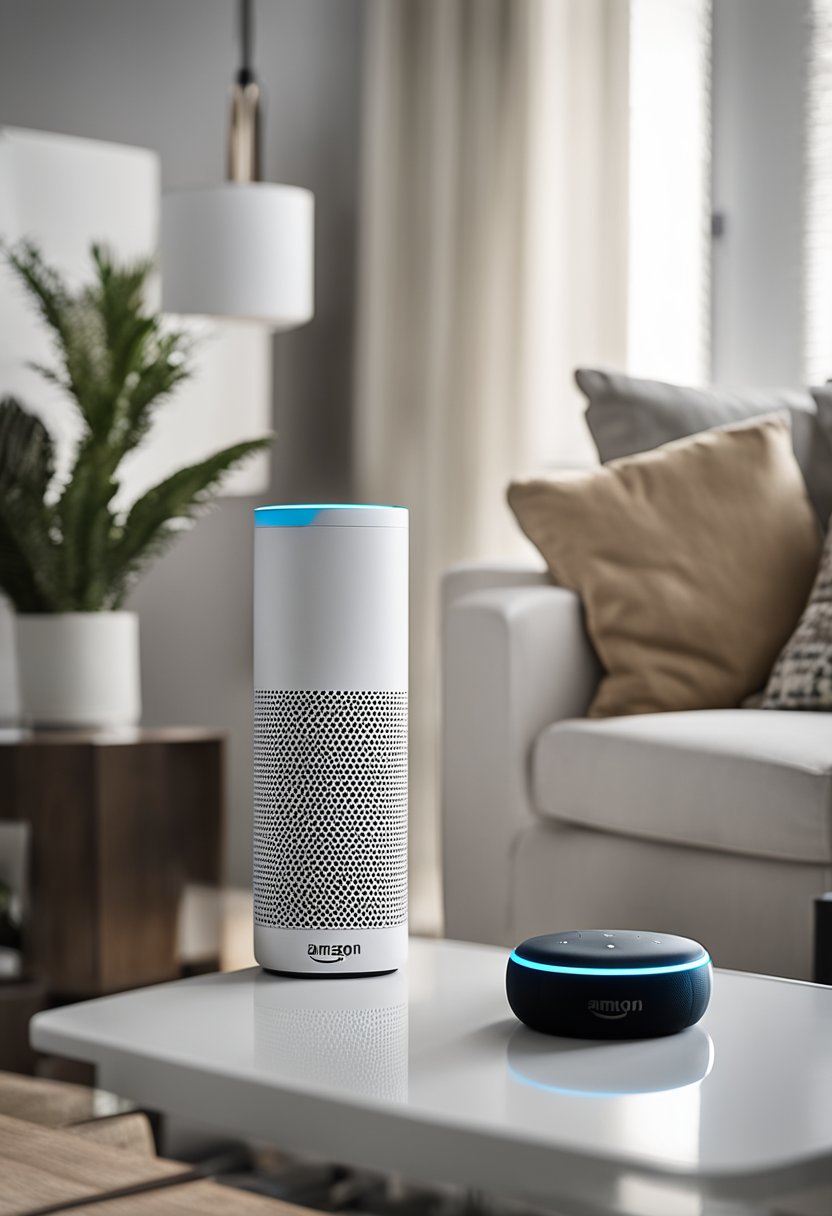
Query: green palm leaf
{"points": [[63, 547], [151, 524], [27, 552]]}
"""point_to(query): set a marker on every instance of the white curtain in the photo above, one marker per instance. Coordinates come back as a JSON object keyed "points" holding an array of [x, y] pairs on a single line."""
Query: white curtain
{"points": [[493, 260], [817, 184]]}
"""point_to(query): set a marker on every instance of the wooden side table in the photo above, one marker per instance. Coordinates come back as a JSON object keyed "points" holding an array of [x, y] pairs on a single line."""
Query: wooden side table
{"points": [[120, 822]]}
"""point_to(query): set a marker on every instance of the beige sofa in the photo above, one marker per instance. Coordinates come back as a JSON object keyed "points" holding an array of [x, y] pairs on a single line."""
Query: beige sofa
{"points": [[713, 824]]}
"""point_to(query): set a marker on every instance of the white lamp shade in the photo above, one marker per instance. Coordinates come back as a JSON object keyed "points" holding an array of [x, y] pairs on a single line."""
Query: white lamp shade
{"points": [[239, 250], [65, 192]]}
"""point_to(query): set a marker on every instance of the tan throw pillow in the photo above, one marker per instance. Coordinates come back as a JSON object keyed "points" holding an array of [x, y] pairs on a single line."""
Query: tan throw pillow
{"points": [[693, 562]]}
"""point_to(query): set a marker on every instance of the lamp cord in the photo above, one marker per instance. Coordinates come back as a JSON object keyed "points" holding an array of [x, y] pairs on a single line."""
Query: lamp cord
{"points": [[246, 13], [244, 131]]}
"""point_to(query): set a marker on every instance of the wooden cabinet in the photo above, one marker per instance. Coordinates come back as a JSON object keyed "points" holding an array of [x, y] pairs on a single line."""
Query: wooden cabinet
{"points": [[120, 823]]}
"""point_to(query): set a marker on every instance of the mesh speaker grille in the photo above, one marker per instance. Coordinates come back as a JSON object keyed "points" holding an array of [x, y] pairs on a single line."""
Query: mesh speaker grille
{"points": [[330, 809]]}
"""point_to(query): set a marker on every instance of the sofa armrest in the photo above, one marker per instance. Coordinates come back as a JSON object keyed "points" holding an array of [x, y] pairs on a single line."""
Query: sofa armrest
{"points": [[515, 659], [466, 577]]}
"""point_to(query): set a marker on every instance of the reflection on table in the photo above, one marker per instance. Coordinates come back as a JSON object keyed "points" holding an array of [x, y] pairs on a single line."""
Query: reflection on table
{"points": [[344, 1034]]}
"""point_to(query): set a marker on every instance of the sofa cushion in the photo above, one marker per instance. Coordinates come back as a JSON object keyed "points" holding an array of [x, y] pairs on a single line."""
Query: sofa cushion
{"points": [[742, 781], [627, 415]]}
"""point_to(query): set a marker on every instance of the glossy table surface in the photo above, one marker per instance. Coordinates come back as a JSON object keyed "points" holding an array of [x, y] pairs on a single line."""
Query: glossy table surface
{"points": [[427, 1073]]}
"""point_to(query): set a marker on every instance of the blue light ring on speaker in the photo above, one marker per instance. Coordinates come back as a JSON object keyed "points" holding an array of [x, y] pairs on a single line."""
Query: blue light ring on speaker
{"points": [[606, 949], [611, 969], [301, 515]]}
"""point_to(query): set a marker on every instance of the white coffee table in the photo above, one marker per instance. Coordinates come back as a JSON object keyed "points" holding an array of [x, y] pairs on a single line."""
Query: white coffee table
{"points": [[426, 1073]]}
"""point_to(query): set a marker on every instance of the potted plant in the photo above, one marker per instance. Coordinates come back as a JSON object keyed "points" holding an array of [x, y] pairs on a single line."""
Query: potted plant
{"points": [[68, 557]]}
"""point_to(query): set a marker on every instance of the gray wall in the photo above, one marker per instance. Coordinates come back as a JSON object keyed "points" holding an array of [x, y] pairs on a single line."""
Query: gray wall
{"points": [[758, 99], [156, 73]]}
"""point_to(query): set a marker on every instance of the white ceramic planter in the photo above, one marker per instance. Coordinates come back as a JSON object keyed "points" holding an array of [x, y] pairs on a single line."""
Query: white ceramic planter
{"points": [[79, 669]]}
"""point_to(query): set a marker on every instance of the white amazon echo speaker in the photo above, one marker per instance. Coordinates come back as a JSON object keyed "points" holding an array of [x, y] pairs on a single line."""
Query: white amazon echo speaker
{"points": [[330, 738]]}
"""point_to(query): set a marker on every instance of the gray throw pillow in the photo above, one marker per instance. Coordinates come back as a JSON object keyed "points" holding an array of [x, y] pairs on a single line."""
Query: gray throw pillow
{"points": [[626, 415], [818, 475], [802, 675]]}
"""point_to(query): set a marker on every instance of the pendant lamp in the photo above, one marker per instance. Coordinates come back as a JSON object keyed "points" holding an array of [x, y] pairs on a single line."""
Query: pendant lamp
{"points": [[244, 248]]}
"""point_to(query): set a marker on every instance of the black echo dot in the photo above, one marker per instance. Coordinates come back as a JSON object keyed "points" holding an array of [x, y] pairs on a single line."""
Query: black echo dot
{"points": [[609, 983]]}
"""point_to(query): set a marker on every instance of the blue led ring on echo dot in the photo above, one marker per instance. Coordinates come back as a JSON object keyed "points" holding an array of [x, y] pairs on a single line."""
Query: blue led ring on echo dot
{"points": [[609, 983]]}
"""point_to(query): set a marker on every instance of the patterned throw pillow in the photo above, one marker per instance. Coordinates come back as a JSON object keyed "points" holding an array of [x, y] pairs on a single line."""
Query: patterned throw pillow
{"points": [[802, 675]]}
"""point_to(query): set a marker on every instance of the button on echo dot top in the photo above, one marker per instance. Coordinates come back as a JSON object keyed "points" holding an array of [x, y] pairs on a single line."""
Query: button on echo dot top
{"points": [[609, 983]]}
